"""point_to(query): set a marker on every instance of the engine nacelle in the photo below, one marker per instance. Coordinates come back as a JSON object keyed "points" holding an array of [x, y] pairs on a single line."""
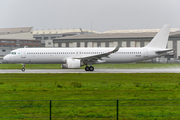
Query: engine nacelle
{"points": [[72, 63]]}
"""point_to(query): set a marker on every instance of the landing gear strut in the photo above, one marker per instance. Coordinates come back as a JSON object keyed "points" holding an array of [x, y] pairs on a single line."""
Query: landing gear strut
{"points": [[23, 69], [87, 68]]}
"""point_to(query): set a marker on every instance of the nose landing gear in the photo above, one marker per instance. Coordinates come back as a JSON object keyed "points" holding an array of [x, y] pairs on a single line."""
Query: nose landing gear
{"points": [[23, 69], [87, 68]]}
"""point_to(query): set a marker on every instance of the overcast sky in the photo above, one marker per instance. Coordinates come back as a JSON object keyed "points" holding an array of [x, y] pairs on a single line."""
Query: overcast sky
{"points": [[103, 15]]}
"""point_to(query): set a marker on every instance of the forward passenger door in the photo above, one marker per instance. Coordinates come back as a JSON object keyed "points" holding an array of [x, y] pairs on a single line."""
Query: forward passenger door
{"points": [[23, 53]]}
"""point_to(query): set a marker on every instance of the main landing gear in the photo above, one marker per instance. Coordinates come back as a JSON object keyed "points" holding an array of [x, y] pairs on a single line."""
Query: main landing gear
{"points": [[23, 69], [87, 68]]}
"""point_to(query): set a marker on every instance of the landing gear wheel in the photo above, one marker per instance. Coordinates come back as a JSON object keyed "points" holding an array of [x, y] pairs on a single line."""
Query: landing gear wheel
{"points": [[23, 69], [91, 68], [86, 68]]}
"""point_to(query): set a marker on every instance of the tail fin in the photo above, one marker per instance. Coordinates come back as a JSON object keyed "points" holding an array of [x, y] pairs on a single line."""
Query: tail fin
{"points": [[161, 38]]}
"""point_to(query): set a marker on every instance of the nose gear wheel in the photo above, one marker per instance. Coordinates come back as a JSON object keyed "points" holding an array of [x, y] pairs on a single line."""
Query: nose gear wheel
{"points": [[23, 69]]}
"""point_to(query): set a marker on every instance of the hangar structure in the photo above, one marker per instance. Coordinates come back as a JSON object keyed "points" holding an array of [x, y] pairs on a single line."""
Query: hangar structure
{"points": [[129, 38], [13, 38], [46, 36]]}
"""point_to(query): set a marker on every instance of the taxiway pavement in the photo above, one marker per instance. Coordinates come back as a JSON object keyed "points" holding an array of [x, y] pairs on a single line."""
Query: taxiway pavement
{"points": [[170, 70]]}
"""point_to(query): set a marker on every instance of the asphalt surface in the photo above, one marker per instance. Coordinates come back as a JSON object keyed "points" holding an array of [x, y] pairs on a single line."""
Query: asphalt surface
{"points": [[170, 70]]}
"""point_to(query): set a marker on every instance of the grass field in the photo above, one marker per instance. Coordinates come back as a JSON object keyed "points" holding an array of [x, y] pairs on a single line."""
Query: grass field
{"points": [[97, 66], [141, 96]]}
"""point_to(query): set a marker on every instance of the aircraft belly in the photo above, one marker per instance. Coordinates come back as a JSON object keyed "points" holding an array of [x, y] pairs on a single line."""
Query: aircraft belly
{"points": [[123, 59]]}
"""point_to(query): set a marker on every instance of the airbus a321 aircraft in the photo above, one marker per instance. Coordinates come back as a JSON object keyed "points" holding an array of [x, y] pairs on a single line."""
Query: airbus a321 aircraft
{"points": [[77, 57]]}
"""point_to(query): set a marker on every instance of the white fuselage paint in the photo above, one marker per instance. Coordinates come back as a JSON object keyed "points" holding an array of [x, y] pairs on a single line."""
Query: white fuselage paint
{"points": [[59, 55]]}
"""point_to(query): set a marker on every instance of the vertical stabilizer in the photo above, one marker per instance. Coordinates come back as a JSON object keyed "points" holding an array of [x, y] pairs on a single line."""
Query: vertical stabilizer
{"points": [[161, 38]]}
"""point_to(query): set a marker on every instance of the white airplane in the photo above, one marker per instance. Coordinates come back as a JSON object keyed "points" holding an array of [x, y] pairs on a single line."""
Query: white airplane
{"points": [[77, 57]]}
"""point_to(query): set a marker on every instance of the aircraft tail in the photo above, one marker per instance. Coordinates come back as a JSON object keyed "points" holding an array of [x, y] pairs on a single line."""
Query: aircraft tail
{"points": [[161, 38]]}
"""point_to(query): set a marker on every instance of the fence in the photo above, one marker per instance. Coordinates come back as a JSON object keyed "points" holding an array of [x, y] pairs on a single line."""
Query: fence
{"points": [[90, 109]]}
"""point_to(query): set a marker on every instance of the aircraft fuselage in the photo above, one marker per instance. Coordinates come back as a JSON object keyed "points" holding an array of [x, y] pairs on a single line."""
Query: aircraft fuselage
{"points": [[59, 55]]}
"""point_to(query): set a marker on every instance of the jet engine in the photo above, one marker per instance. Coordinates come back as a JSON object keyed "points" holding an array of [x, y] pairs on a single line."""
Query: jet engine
{"points": [[72, 63]]}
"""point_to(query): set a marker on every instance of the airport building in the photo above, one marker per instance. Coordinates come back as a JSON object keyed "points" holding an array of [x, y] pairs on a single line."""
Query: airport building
{"points": [[13, 38], [46, 36]]}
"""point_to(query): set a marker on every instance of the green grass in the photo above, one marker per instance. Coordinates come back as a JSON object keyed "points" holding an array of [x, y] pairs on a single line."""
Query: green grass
{"points": [[97, 66], [77, 91]]}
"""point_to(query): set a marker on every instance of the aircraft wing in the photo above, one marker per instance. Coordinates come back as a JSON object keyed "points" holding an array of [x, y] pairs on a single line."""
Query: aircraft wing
{"points": [[95, 58]]}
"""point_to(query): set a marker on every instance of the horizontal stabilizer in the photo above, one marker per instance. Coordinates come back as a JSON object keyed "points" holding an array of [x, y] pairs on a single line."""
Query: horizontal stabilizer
{"points": [[164, 51]]}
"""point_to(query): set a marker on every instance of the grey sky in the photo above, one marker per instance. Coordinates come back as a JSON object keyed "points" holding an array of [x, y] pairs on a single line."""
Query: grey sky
{"points": [[103, 14]]}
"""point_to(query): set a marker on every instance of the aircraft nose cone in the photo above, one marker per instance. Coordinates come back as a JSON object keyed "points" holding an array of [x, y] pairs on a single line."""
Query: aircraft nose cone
{"points": [[5, 59]]}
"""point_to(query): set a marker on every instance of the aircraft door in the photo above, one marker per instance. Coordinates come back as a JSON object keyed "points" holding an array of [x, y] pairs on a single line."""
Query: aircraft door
{"points": [[145, 53], [23, 53]]}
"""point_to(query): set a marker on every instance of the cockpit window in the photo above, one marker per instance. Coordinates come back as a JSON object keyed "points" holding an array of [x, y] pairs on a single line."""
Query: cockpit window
{"points": [[13, 53]]}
